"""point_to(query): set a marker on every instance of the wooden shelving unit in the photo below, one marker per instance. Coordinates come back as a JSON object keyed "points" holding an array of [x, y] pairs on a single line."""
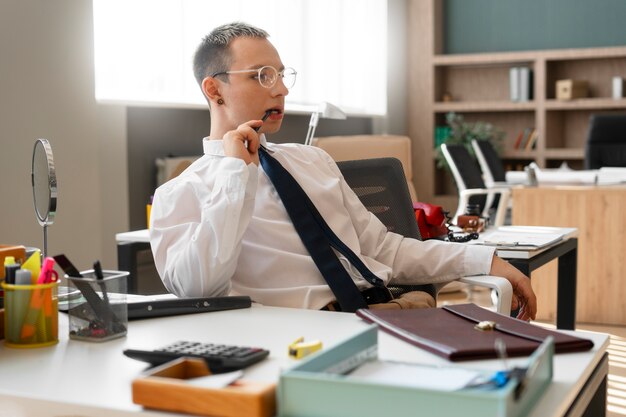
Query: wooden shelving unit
{"points": [[479, 87]]}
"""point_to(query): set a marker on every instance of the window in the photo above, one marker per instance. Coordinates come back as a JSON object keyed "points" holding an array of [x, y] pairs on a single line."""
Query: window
{"points": [[144, 49]]}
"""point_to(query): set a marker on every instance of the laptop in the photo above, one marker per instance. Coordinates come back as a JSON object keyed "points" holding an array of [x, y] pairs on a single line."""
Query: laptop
{"points": [[150, 306]]}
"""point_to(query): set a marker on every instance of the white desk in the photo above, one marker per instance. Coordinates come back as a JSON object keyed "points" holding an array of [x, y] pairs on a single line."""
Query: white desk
{"points": [[90, 379]]}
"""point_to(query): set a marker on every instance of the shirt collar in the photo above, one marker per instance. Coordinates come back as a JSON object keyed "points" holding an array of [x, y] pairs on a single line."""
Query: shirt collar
{"points": [[215, 147]]}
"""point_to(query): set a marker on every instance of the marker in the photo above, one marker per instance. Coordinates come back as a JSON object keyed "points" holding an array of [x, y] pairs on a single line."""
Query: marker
{"points": [[47, 274], [108, 319], [22, 277], [10, 268]]}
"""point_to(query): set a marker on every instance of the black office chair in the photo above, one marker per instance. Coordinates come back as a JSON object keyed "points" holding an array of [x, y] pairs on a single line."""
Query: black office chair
{"points": [[381, 186], [472, 188], [490, 162], [606, 141]]}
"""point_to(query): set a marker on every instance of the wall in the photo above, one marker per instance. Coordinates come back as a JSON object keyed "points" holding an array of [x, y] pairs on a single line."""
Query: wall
{"points": [[513, 25], [46, 85]]}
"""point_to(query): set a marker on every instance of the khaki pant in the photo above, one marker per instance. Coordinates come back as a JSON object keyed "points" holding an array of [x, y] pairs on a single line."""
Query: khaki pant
{"points": [[412, 299]]}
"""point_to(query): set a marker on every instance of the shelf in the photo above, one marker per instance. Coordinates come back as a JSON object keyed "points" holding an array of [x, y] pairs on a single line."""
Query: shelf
{"points": [[564, 153], [519, 154], [483, 106], [528, 56], [484, 59], [479, 87], [586, 104]]}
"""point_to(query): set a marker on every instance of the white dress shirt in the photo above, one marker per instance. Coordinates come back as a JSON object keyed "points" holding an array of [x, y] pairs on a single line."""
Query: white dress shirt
{"points": [[220, 228]]}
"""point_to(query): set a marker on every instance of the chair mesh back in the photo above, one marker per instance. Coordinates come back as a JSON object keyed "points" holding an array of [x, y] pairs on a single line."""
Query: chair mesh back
{"points": [[381, 186], [606, 141], [469, 170], [493, 160]]}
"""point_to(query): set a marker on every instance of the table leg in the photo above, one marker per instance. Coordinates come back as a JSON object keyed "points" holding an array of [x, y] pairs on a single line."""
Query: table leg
{"points": [[127, 261], [566, 290]]}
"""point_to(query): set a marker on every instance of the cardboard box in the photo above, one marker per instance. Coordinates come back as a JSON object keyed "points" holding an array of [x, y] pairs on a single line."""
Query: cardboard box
{"points": [[570, 89], [165, 388], [321, 386]]}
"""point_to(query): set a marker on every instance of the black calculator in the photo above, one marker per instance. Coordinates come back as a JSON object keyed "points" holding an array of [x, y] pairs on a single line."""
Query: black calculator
{"points": [[219, 358]]}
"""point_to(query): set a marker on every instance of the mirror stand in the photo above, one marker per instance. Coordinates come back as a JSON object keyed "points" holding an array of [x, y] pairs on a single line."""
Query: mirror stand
{"points": [[44, 182]]}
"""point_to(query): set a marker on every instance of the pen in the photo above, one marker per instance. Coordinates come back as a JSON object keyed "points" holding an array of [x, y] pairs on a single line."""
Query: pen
{"points": [[10, 268], [97, 269], [503, 244], [109, 315], [264, 118]]}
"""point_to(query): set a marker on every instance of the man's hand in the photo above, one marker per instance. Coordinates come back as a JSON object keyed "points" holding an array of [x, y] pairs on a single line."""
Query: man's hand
{"points": [[524, 297], [243, 142]]}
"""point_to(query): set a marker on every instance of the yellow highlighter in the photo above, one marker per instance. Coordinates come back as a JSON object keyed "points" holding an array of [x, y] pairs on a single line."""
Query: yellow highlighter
{"points": [[299, 348]]}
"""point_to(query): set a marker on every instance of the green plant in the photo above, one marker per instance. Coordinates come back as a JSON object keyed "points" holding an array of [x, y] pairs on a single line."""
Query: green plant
{"points": [[462, 133]]}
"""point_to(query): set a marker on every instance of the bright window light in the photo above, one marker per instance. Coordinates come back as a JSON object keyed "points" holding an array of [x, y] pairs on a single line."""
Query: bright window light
{"points": [[144, 49]]}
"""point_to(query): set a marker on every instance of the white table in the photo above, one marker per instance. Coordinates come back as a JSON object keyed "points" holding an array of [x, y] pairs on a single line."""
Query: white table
{"points": [[91, 379]]}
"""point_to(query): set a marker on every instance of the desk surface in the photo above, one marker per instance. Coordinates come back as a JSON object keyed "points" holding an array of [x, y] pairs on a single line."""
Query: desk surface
{"points": [[134, 236], [143, 236], [94, 379]]}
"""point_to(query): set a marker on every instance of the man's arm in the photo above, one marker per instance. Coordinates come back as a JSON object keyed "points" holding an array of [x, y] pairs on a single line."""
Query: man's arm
{"points": [[198, 221], [524, 297]]}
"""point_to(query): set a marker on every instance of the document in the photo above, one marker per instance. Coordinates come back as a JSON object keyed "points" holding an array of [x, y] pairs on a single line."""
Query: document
{"points": [[554, 177], [519, 240], [415, 376], [611, 176]]}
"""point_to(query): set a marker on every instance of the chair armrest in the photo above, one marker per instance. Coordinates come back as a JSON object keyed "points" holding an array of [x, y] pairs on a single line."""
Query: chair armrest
{"points": [[502, 205], [501, 184], [502, 286]]}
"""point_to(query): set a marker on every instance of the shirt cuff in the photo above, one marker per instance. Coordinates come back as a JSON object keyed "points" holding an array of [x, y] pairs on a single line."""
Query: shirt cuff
{"points": [[478, 259]]}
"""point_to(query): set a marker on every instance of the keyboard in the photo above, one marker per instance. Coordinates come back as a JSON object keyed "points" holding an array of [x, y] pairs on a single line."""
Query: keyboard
{"points": [[219, 358]]}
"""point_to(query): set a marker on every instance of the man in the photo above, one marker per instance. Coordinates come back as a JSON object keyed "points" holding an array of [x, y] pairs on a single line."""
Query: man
{"points": [[221, 228]]}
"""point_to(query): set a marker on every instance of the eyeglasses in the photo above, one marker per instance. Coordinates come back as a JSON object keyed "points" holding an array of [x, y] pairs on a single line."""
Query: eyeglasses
{"points": [[268, 75]]}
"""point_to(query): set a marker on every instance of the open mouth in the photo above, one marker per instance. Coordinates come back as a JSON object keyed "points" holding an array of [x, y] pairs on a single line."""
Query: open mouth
{"points": [[275, 113]]}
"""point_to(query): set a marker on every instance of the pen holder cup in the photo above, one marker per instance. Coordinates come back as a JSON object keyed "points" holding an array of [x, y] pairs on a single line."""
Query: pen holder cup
{"points": [[101, 313], [31, 315]]}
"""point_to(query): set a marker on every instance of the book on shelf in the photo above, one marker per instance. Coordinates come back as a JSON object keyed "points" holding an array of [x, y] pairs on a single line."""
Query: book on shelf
{"points": [[441, 134], [524, 138], [525, 84], [520, 84], [518, 140], [531, 143], [514, 83]]}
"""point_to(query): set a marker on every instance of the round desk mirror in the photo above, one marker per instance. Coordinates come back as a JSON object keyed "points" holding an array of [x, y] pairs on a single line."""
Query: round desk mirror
{"points": [[44, 181]]}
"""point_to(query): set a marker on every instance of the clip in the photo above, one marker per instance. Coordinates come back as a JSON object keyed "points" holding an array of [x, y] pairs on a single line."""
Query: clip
{"points": [[299, 349]]}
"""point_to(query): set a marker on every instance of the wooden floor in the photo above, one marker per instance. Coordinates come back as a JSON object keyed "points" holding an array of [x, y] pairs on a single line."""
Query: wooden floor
{"points": [[616, 398]]}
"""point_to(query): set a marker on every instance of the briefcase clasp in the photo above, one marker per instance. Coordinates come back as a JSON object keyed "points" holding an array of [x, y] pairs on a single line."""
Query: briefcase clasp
{"points": [[485, 326]]}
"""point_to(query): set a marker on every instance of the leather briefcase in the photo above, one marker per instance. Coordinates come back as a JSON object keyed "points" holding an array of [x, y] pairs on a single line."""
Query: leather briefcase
{"points": [[453, 332]]}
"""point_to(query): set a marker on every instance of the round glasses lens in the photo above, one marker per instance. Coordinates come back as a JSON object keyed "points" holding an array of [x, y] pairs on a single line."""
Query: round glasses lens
{"points": [[289, 77], [268, 76]]}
